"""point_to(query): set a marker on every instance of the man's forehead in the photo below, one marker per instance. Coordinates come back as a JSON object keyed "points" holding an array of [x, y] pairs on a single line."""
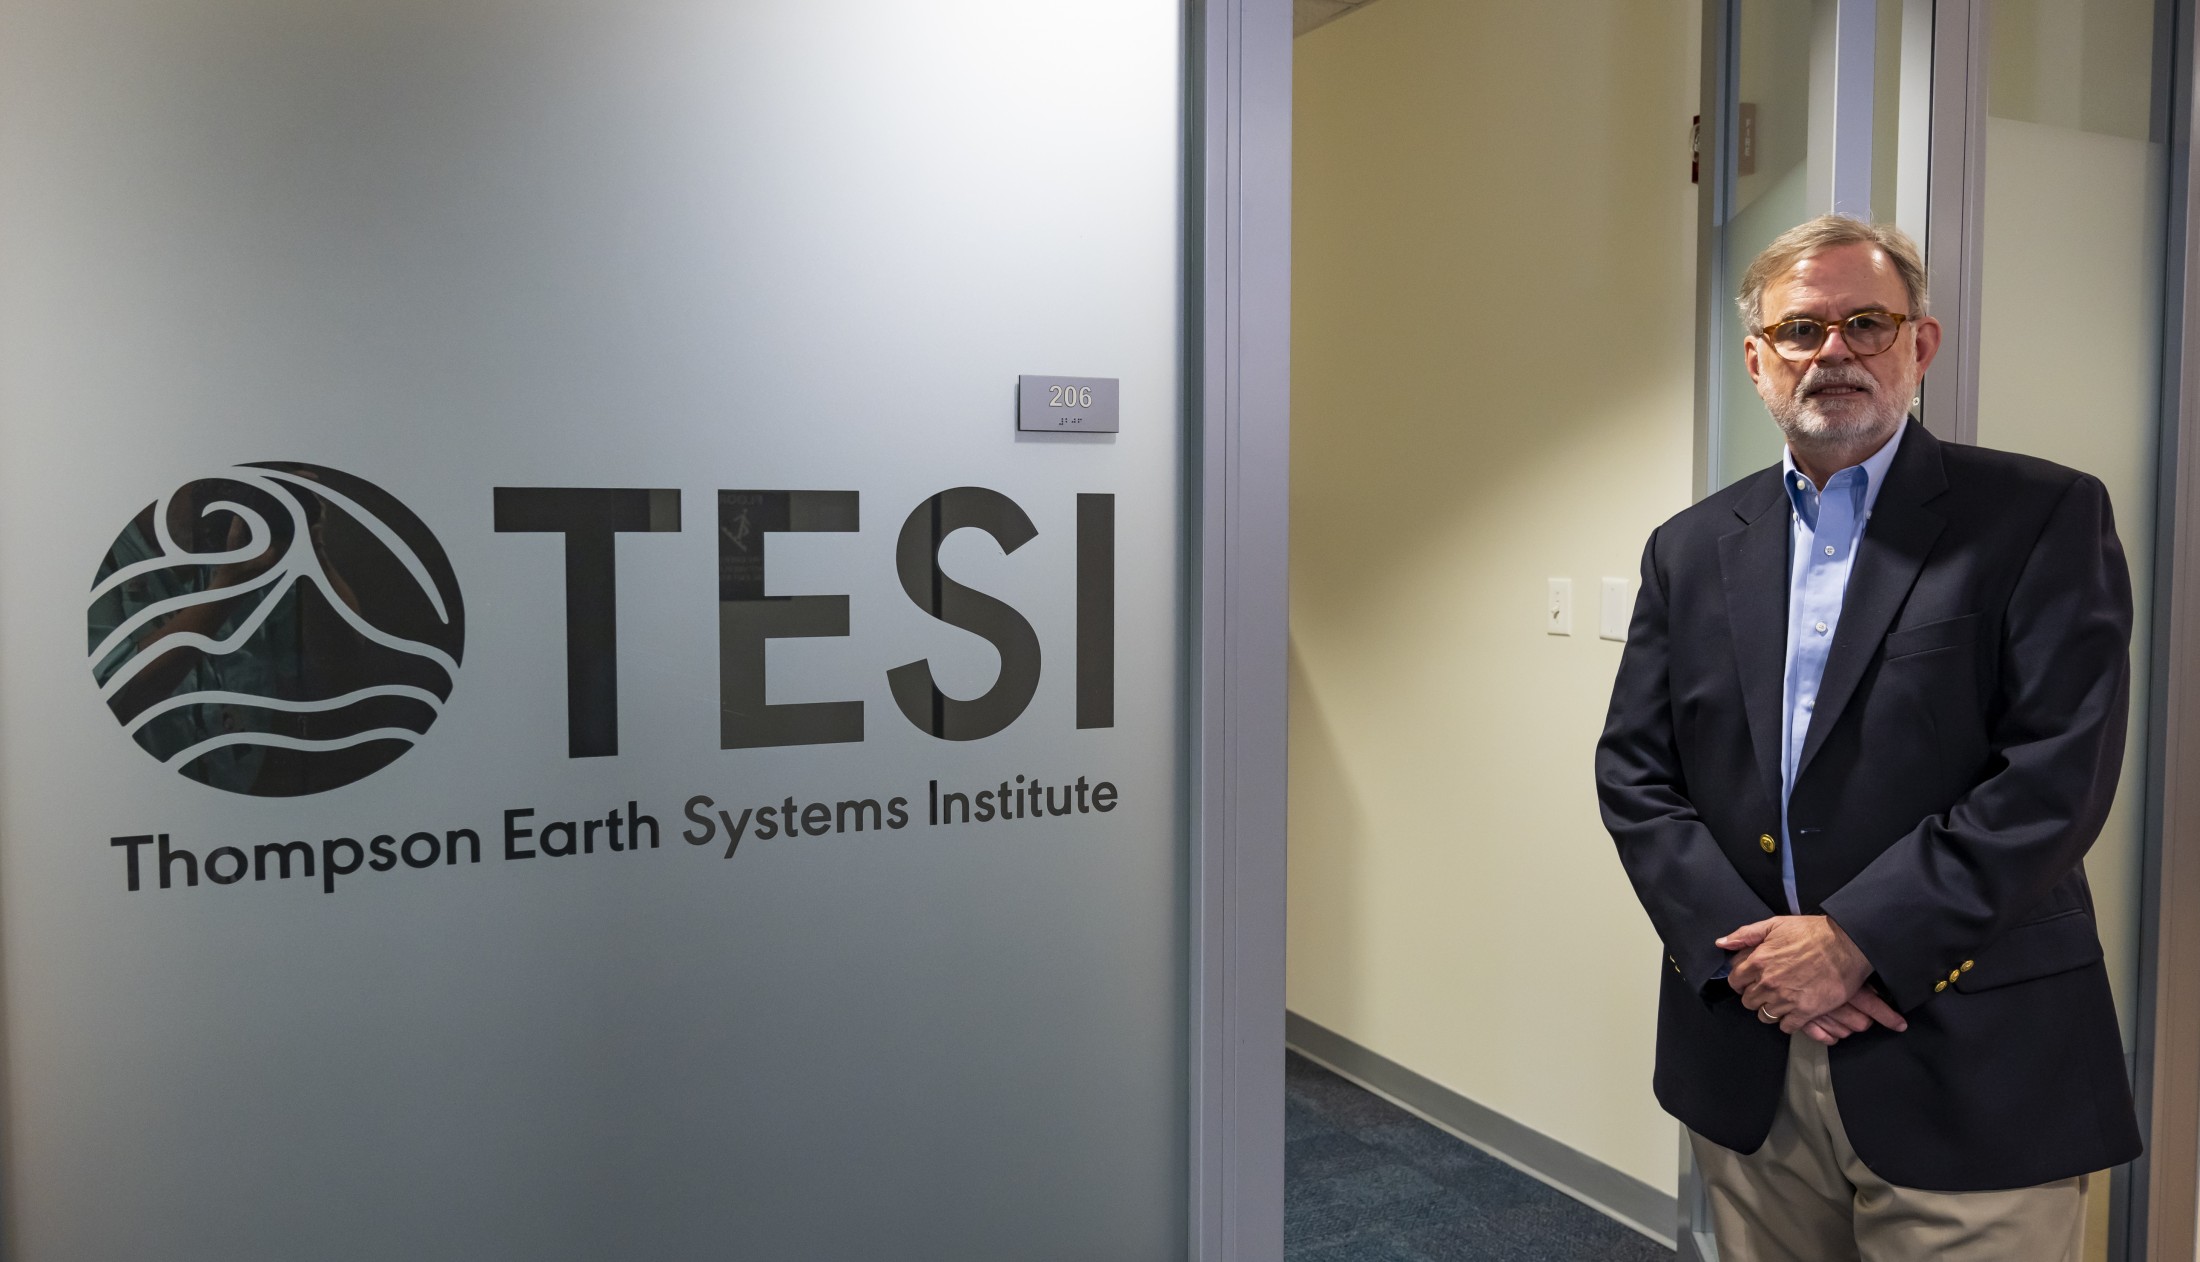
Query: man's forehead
{"points": [[1852, 277]]}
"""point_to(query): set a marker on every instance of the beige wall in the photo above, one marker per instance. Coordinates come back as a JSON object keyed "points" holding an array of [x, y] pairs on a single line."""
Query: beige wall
{"points": [[2073, 225], [1492, 348]]}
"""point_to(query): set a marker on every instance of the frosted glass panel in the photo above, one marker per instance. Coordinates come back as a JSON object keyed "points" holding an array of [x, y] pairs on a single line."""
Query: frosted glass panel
{"points": [[2070, 318], [547, 711]]}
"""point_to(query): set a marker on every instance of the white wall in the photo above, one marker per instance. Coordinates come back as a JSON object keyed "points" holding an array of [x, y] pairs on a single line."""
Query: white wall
{"points": [[1492, 347]]}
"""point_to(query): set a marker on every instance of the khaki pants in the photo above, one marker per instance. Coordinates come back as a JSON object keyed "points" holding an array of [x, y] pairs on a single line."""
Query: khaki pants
{"points": [[1805, 1197]]}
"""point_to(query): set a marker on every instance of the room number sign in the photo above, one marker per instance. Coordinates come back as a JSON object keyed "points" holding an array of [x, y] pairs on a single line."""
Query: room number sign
{"points": [[1056, 405]]}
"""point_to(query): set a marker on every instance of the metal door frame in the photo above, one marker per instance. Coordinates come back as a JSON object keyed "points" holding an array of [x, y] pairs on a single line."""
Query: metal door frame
{"points": [[1237, 355], [2158, 1206]]}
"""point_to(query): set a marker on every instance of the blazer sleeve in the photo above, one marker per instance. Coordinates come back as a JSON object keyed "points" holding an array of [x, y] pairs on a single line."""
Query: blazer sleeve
{"points": [[1685, 881], [2056, 740]]}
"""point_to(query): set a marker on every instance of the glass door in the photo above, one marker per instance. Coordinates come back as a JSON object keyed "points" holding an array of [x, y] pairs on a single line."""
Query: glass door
{"points": [[594, 616], [2025, 145], [1819, 107]]}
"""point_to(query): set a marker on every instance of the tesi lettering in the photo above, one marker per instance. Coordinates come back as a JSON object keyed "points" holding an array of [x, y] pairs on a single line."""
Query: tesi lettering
{"points": [[590, 520]]}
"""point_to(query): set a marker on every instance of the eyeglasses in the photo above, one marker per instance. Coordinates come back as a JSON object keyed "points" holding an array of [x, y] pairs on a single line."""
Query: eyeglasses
{"points": [[1866, 332]]}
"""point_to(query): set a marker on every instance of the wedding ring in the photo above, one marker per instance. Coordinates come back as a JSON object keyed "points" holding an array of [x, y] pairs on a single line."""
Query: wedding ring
{"points": [[1765, 1015]]}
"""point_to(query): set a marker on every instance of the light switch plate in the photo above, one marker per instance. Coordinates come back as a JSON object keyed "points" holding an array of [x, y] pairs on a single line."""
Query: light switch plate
{"points": [[1614, 611], [1558, 619]]}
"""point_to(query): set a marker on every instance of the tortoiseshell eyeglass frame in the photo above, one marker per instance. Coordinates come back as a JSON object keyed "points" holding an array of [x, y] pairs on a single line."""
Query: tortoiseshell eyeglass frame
{"points": [[1824, 331]]}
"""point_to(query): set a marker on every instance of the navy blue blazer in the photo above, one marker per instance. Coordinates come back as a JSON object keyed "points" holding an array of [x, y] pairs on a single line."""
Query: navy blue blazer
{"points": [[1962, 757]]}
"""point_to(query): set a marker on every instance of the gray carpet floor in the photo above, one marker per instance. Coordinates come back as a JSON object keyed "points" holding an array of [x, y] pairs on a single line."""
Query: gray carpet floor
{"points": [[1366, 1181]]}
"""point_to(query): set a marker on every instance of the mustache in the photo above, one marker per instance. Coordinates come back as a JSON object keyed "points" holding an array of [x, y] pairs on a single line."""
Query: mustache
{"points": [[1822, 376]]}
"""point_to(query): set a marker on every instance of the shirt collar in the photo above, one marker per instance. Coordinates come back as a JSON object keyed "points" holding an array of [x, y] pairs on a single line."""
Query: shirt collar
{"points": [[1804, 497]]}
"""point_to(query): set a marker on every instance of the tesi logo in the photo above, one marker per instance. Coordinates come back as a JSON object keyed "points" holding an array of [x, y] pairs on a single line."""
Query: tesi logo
{"points": [[278, 630], [286, 629]]}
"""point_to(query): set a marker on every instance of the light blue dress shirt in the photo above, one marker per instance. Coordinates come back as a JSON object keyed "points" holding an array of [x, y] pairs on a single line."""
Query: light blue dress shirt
{"points": [[1827, 527]]}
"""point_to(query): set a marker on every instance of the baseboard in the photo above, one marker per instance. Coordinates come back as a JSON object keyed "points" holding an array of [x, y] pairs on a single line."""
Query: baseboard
{"points": [[1619, 1195]]}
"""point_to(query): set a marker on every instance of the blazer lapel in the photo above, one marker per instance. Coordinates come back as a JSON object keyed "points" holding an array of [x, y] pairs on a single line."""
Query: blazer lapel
{"points": [[1753, 565], [1897, 540]]}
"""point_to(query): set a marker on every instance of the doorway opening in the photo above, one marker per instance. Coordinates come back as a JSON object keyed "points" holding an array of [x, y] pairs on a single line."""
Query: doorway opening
{"points": [[1516, 235]]}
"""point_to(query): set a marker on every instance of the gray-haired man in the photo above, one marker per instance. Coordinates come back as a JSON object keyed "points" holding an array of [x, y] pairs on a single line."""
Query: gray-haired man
{"points": [[1869, 718]]}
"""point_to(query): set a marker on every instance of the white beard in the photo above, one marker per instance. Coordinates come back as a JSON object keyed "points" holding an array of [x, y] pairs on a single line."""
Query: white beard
{"points": [[1841, 424]]}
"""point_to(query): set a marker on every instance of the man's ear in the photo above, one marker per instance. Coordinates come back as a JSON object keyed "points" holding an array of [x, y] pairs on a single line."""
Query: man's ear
{"points": [[1757, 369], [1928, 342]]}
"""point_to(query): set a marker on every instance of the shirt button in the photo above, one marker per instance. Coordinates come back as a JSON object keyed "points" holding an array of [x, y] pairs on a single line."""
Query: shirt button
{"points": [[1821, 628], [1829, 549]]}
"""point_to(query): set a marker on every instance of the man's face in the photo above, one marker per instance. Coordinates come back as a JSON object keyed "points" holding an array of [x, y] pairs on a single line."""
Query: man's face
{"points": [[1839, 400]]}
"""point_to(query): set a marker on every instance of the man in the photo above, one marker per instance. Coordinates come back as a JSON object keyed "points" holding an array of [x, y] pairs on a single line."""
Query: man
{"points": [[1869, 718]]}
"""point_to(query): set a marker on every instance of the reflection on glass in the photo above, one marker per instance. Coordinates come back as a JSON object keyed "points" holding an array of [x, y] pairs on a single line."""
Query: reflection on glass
{"points": [[2073, 208], [1771, 195], [1902, 113], [1786, 71]]}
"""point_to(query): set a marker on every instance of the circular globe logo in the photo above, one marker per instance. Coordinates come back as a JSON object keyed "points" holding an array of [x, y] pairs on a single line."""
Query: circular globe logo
{"points": [[277, 630]]}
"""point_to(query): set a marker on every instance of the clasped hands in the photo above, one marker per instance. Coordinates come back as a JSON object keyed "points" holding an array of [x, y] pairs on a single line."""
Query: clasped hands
{"points": [[1806, 973]]}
